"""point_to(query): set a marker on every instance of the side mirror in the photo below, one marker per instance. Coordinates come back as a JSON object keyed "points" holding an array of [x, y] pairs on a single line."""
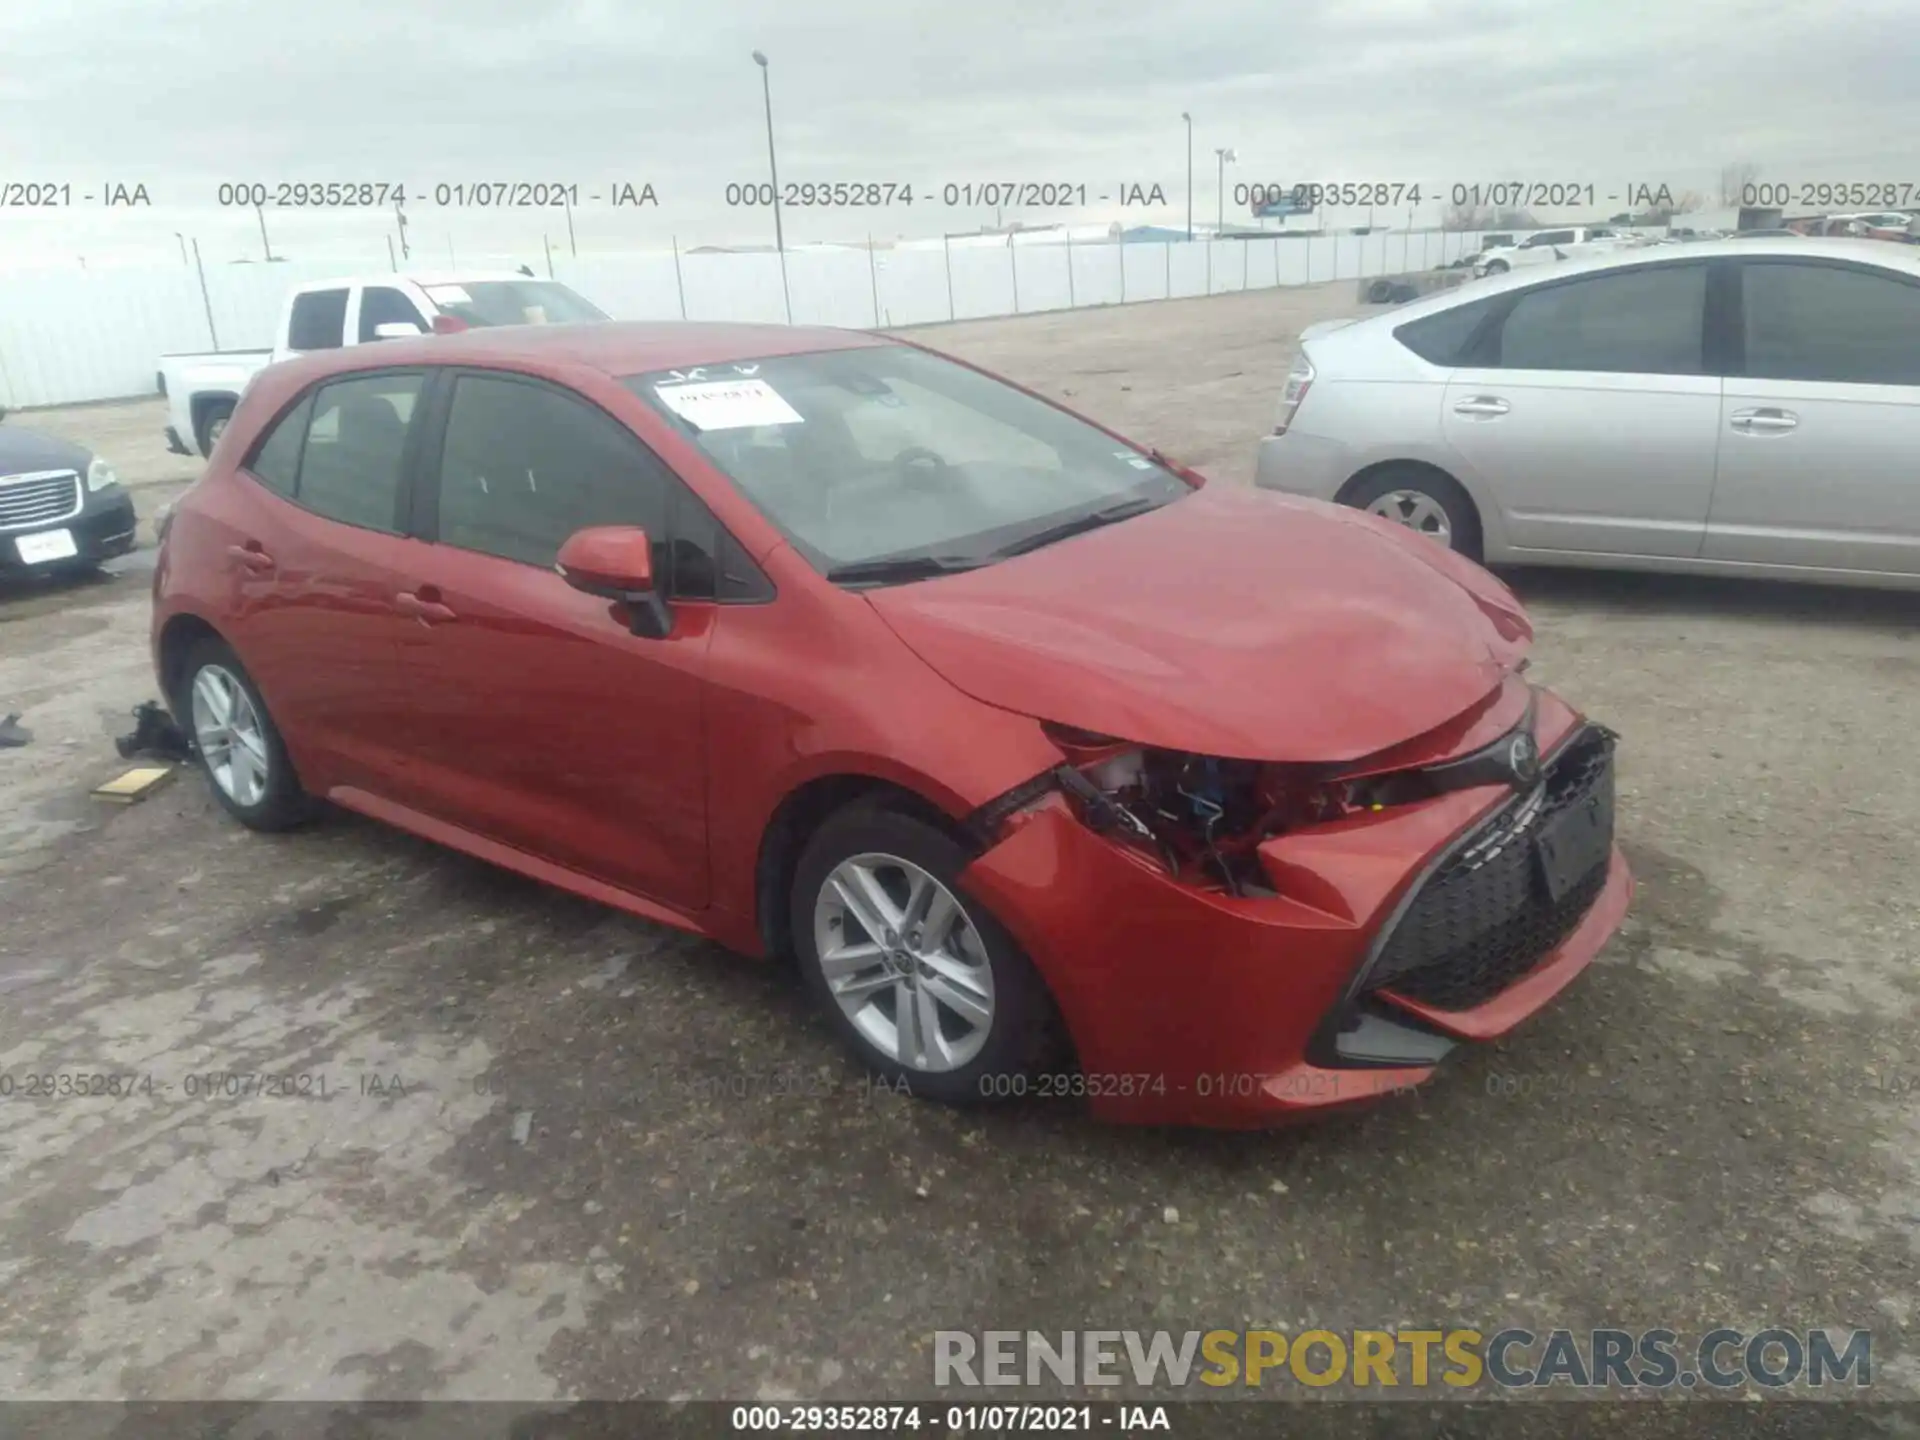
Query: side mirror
{"points": [[615, 562], [396, 330]]}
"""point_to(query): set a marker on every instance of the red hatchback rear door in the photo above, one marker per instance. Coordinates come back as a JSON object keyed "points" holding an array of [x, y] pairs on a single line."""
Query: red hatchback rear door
{"points": [[313, 570]]}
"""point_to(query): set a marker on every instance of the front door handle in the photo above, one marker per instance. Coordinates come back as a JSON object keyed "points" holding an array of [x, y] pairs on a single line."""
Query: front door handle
{"points": [[1481, 405], [250, 556], [1764, 421], [426, 611]]}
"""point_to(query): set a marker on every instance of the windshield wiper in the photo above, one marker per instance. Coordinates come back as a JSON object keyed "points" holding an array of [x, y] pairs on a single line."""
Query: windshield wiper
{"points": [[1126, 510], [893, 569]]}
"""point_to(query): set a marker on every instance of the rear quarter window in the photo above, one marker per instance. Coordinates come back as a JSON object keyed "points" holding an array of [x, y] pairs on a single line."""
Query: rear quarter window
{"points": [[276, 460], [1444, 338]]}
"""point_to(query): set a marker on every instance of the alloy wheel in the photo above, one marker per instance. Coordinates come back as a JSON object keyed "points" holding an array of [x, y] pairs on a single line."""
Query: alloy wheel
{"points": [[228, 732], [904, 962], [1417, 511]]}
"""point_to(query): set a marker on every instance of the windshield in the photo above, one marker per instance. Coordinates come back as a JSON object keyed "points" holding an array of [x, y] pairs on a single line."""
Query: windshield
{"points": [[886, 453], [512, 302]]}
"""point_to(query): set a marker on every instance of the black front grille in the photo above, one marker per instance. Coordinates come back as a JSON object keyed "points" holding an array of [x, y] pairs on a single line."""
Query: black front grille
{"points": [[1485, 918], [36, 499]]}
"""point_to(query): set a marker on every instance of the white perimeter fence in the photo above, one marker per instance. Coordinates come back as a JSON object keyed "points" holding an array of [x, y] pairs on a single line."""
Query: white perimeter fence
{"points": [[71, 336]]}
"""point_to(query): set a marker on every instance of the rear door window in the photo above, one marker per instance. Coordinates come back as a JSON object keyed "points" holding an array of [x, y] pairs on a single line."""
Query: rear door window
{"points": [[1640, 321], [351, 466], [318, 320]]}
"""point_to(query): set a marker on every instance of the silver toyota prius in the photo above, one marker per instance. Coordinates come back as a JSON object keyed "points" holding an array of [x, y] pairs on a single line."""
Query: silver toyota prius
{"points": [[1732, 407]]}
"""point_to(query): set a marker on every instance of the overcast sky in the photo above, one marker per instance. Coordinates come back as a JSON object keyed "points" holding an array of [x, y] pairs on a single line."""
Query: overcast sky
{"points": [[182, 95]]}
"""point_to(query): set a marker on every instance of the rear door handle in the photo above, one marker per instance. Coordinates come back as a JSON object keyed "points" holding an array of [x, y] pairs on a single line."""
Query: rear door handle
{"points": [[1481, 405], [427, 612], [1765, 421], [251, 556]]}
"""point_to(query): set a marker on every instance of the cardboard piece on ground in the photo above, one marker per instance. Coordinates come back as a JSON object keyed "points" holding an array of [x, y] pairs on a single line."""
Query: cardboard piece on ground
{"points": [[135, 784]]}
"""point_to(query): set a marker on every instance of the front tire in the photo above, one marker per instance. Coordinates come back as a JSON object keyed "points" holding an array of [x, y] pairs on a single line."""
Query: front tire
{"points": [[921, 981], [238, 747], [1497, 267]]}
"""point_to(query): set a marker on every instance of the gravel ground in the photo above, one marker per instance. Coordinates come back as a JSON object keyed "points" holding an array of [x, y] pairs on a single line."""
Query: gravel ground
{"points": [[562, 1153]]}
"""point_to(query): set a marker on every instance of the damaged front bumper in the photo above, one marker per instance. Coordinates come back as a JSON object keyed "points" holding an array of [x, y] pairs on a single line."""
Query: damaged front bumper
{"points": [[1386, 938]]}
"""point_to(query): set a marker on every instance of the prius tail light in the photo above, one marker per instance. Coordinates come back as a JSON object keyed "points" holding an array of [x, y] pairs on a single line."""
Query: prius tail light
{"points": [[1299, 381]]}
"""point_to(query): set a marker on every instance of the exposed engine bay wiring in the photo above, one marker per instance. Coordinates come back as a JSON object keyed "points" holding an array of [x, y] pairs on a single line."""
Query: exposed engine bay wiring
{"points": [[1206, 817], [1202, 816]]}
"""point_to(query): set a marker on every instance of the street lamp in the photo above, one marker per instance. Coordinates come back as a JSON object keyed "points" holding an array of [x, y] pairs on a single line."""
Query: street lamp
{"points": [[259, 211], [1189, 119], [773, 170], [183, 247], [1227, 157]]}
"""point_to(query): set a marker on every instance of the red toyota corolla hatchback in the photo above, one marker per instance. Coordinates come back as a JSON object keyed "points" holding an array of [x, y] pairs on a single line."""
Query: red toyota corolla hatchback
{"points": [[1058, 770]]}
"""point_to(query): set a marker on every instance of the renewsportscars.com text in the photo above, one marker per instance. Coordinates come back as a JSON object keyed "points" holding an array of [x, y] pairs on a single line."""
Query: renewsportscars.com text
{"points": [[1508, 1359]]}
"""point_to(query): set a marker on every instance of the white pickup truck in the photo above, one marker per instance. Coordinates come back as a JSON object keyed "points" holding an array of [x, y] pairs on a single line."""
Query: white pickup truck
{"points": [[1543, 247], [202, 389]]}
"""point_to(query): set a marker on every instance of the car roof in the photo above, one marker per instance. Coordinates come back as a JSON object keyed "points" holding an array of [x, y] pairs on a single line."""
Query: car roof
{"points": [[612, 347], [1887, 254], [422, 277]]}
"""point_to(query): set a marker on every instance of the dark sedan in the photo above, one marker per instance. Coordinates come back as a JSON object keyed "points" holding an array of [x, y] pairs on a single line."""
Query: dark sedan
{"points": [[61, 506]]}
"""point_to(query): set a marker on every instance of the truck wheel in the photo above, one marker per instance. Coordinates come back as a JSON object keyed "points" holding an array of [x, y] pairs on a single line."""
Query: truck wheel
{"points": [[213, 424]]}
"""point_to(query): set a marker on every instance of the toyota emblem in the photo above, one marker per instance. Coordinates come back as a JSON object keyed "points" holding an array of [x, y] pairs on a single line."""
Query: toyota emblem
{"points": [[1523, 758]]}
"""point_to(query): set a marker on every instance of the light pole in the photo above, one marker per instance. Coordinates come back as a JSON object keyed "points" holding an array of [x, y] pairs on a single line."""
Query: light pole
{"points": [[1189, 119], [773, 170], [1227, 157], [183, 247], [261, 212]]}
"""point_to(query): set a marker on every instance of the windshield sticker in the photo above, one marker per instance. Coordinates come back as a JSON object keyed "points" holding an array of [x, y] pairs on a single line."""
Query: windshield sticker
{"points": [[1134, 458], [728, 404], [448, 295]]}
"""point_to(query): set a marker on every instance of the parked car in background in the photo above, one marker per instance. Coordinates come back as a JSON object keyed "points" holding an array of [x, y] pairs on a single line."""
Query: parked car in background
{"points": [[1767, 233], [1876, 225], [1544, 247], [1741, 407], [814, 641], [203, 389], [61, 506]]}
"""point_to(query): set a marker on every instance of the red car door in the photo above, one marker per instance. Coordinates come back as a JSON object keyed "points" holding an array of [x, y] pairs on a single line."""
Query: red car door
{"points": [[536, 717], [315, 558]]}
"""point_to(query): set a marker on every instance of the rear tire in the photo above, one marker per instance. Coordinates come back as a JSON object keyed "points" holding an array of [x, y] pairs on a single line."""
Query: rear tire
{"points": [[979, 1020], [235, 741], [213, 424], [1423, 500]]}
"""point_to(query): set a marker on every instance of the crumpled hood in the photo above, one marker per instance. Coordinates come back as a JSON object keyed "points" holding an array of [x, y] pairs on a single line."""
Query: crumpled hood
{"points": [[1236, 623], [24, 451]]}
